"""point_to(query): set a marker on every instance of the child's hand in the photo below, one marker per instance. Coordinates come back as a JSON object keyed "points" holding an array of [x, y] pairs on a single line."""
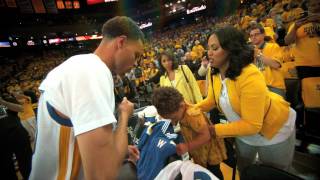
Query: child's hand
{"points": [[182, 148], [134, 153]]}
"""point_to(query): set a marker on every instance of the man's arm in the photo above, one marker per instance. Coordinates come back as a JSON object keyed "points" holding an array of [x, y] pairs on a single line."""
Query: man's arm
{"points": [[271, 62], [102, 150], [12, 106]]}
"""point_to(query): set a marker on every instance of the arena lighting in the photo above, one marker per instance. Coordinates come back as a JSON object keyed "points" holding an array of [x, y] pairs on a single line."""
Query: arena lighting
{"points": [[71, 39], [30, 43], [183, 0], [4, 44], [63, 40], [95, 37], [166, 5], [145, 25], [54, 41], [110, 0], [14, 43], [196, 9]]}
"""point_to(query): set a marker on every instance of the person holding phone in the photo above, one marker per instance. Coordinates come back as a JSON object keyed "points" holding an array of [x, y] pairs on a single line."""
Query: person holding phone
{"points": [[305, 34]]}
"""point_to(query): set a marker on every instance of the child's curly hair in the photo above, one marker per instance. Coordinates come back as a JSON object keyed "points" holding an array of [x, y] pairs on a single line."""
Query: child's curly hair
{"points": [[167, 100]]}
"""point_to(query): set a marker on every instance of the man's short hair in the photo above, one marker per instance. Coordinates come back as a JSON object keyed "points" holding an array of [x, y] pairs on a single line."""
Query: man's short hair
{"points": [[122, 25], [167, 100], [257, 26]]}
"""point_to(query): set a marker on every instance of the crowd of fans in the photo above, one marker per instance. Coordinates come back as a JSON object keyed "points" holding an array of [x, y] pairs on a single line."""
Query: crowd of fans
{"points": [[292, 26]]}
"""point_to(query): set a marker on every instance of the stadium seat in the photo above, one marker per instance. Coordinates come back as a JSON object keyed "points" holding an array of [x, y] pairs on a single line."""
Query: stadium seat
{"points": [[263, 172], [311, 100]]}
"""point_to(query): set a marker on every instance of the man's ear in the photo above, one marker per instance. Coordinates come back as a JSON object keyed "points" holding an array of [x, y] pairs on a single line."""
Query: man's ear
{"points": [[121, 41]]}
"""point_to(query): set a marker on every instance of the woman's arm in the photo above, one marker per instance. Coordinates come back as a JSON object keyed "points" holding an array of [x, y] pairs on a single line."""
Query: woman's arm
{"points": [[291, 36], [193, 84], [209, 102], [253, 95]]}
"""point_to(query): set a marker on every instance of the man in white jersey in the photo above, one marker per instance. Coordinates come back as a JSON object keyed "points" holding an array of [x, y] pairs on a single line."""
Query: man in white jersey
{"points": [[77, 133]]}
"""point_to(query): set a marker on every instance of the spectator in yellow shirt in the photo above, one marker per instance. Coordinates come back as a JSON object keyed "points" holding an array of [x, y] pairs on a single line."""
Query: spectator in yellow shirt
{"points": [[25, 113], [179, 77], [198, 49], [305, 34], [268, 60]]}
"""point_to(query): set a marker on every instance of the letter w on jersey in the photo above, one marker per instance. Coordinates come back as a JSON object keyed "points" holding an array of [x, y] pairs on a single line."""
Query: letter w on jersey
{"points": [[161, 143]]}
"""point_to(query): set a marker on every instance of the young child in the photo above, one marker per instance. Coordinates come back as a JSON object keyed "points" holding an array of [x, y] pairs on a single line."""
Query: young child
{"points": [[205, 151]]}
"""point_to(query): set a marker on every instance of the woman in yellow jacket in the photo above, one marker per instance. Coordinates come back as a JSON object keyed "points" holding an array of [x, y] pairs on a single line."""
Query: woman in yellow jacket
{"points": [[179, 77], [261, 121]]}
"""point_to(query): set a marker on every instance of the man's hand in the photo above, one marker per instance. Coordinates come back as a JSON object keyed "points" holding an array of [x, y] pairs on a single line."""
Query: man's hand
{"points": [[301, 22], [257, 53], [134, 153], [126, 108], [313, 18], [182, 148]]}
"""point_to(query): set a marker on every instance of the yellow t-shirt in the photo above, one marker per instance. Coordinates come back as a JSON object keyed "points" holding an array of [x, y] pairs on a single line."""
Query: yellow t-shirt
{"points": [[27, 112], [270, 23], [199, 50], [269, 32], [273, 77], [245, 22], [153, 72], [306, 51]]}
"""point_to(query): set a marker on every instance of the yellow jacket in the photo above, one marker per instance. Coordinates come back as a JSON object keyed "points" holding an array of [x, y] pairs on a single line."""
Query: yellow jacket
{"points": [[190, 92], [260, 111]]}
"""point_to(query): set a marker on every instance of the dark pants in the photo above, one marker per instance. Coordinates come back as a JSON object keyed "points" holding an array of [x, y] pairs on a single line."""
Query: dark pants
{"points": [[307, 71], [215, 169], [16, 141]]}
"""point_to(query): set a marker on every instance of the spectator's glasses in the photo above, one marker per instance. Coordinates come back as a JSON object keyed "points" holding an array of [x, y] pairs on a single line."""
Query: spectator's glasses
{"points": [[254, 35]]}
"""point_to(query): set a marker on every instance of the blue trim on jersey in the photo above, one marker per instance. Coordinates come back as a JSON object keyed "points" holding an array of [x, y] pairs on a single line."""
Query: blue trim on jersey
{"points": [[201, 175], [57, 118]]}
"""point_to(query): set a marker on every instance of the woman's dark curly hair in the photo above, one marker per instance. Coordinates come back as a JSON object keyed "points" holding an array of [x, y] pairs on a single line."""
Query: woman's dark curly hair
{"points": [[167, 100], [171, 57], [240, 53]]}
